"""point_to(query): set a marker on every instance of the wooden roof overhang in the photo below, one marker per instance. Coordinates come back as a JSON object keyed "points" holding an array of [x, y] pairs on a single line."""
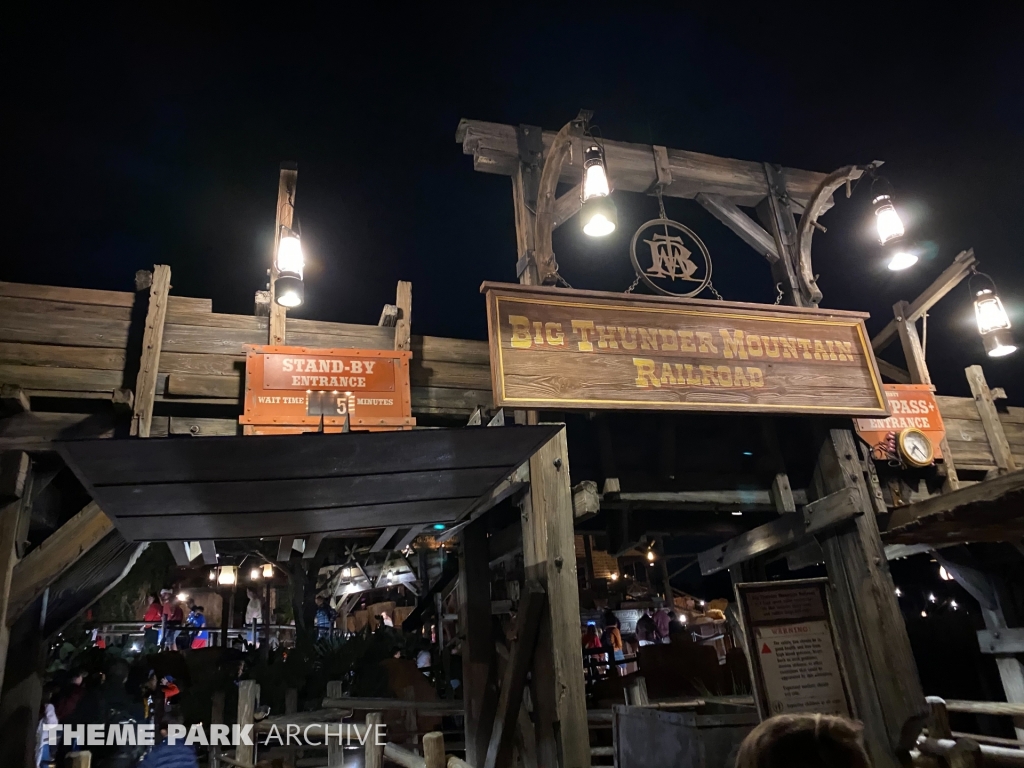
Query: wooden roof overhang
{"points": [[992, 510], [280, 485]]}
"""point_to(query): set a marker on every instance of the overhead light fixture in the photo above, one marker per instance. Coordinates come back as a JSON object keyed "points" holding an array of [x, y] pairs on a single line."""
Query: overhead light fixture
{"points": [[924, 614], [888, 222], [182, 597], [268, 571], [993, 322], [953, 605], [255, 574], [614, 577], [932, 598], [598, 216], [737, 513], [650, 555], [213, 574], [228, 575], [438, 526], [899, 592], [944, 574], [288, 290]]}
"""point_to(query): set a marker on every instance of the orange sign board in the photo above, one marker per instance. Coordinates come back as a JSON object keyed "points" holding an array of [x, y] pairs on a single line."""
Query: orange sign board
{"points": [[297, 389], [911, 405]]}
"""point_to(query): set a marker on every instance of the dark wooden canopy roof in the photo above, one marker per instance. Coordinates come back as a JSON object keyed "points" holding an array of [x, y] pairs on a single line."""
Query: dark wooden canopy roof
{"points": [[175, 489]]}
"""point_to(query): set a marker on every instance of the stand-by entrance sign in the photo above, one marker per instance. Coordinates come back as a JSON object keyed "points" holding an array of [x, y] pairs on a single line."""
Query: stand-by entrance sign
{"points": [[792, 648], [554, 348], [300, 389]]}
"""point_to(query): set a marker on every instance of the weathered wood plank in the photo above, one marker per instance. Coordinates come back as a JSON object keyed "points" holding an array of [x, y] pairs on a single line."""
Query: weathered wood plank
{"points": [[450, 350], [15, 479], [92, 296], [479, 669], [443, 400], [203, 427], [75, 332], [36, 431], [217, 320], [211, 365], [152, 344], [432, 373], [15, 306], [994, 497], [997, 441], [549, 557], [62, 549], [197, 385], [33, 377], [403, 326], [47, 355]]}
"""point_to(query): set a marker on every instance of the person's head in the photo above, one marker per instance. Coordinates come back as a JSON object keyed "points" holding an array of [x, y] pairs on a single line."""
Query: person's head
{"points": [[610, 619], [319, 601], [150, 599], [804, 741], [117, 673], [165, 596], [250, 592], [199, 609], [77, 676], [591, 630]]}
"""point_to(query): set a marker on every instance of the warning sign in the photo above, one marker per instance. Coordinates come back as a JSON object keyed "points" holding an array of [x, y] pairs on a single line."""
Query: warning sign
{"points": [[793, 652], [801, 673]]}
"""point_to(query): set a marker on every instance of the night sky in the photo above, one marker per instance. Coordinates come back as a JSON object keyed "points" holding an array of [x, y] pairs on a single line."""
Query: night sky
{"points": [[134, 141]]}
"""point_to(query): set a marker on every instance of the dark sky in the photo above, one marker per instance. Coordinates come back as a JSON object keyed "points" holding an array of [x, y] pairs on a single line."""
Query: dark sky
{"points": [[133, 141]]}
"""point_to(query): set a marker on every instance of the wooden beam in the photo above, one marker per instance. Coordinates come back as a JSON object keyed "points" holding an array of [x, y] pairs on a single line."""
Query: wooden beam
{"points": [[549, 557], [286, 184], [388, 316], [1001, 641], [531, 609], [43, 565], [248, 695], [152, 344], [15, 485], [779, 217], [917, 368], [787, 530], [526, 268], [943, 284], [313, 542], [716, 501], [567, 206], [409, 535], [284, 548], [990, 420], [633, 167], [748, 230], [14, 398], [893, 372], [962, 503], [479, 670], [403, 326], [386, 535], [782, 494], [181, 552], [208, 549], [876, 651]]}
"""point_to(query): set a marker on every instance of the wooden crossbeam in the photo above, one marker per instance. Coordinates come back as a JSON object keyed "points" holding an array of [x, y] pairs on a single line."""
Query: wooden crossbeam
{"points": [[386, 535], [787, 530], [313, 542], [411, 534], [943, 284], [181, 552], [748, 230], [633, 167], [893, 372], [994, 431], [43, 565], [284, 548], [209, 552], [531, 611]]}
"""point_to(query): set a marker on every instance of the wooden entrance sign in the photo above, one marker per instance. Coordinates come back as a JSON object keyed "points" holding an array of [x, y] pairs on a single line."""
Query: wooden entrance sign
{"points": [[792, 648], [912, 406], [554, 348], [298, 389]]}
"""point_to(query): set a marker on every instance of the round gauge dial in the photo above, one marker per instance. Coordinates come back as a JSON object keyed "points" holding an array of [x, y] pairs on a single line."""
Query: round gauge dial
{"points": [[916, 448]]}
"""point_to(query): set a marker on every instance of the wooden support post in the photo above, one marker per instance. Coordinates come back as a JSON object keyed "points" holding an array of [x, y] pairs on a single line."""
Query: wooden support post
{"points": [[433, 750], [479, 671], [549, 557], [374, 754], [15, 485], [286, 184], [248, 693], [873, 638], [336, 749], [531, 610], [918, 369], [778, 217], [525, 183], [82, 759], [62, 549], [990, 420], [403, 326], [216, 718], [152, 343], [1011, 671]]}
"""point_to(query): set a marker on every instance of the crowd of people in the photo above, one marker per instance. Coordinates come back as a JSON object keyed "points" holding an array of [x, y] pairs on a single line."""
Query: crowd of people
{"points": [[167, 625]]}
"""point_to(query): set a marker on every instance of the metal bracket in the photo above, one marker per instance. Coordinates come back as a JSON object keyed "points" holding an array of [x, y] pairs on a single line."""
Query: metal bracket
{"points": [[530, 145]]}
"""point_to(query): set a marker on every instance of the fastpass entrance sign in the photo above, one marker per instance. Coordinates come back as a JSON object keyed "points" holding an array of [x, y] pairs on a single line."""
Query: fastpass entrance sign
{"points": [[300, 389]]}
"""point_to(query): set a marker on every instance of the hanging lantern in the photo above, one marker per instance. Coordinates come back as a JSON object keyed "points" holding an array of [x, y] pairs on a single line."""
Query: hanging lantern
{"points": [[254, 574], [886, 219], [228, 575], [288, 290], [993, 322], [268, 570], [598, 216], [595, 176]]}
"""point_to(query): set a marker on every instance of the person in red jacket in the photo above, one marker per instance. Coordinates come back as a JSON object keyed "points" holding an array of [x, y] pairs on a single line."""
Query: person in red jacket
{"points": [[152, 618]]}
